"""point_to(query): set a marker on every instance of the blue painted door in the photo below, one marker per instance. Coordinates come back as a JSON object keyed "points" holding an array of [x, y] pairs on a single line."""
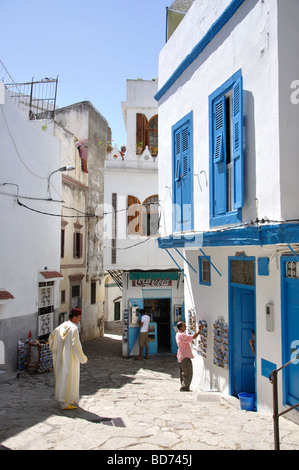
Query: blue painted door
{"points": [[244, 325], [292, 339]]}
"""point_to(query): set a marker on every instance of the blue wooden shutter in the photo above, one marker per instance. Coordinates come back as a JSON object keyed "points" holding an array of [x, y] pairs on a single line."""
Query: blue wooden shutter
{"points": [[238, 177], [182, 174], [187, 173], [219, 164], [177, 191], [177, 150]]}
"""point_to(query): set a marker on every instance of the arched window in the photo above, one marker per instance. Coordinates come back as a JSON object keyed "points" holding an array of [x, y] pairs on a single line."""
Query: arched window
{"points": [[153, 135], [147, 132], [134, 211], [143, 219], [150, 216]]}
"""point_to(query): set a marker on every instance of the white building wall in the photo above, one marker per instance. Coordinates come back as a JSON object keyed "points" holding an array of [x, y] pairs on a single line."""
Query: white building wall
{"points": [[135, 175], [259, 40], [30, 240], [209, 307]]}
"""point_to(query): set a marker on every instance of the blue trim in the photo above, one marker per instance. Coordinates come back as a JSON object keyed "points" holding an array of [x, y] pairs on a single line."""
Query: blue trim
{"points": [[175, 262], [200, 258], [185, 259], [267, 368], [263, 266], [203, 43], [270, 234], [295, 254]]}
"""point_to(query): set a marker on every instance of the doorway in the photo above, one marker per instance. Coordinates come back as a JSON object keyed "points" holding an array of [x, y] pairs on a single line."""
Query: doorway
{"points": [[290, 328], [242, 326], [159, 311]]}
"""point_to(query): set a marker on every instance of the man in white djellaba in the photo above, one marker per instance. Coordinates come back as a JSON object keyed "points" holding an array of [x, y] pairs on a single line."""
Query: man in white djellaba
{"points": [[67, 355]]}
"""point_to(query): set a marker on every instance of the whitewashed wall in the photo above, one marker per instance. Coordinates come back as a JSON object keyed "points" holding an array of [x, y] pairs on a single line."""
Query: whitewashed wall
{"points": [[30, 241]]}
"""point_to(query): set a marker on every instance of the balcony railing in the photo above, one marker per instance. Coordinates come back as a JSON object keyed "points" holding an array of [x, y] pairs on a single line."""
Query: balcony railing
{"points": [[276, 415], [39, 97]]}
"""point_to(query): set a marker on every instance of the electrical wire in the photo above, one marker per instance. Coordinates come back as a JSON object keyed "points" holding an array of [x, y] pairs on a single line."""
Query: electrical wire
{"points": [[127, 247], [54, 215], [16, 148]]}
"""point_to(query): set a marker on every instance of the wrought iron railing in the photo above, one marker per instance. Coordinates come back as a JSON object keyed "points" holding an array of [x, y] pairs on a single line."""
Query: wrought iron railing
{"points": [[276, 414], [39, 97]]}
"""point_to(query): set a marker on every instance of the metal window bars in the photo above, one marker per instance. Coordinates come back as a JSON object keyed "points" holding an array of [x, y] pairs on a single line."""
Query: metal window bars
{"points": [[37, 96]]}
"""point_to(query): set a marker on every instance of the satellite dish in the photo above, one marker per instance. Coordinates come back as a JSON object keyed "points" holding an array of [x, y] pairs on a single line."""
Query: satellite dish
{"points": [[61, 119]]}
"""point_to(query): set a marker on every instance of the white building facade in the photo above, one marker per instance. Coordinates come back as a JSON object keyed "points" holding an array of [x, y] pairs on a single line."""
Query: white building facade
{"points": [[30, 234], [150, 278], [228, 120]]}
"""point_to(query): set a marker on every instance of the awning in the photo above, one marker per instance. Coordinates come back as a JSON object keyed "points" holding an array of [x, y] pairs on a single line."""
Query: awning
{"points": [[5, 295], [51, 275], [134, 276]]}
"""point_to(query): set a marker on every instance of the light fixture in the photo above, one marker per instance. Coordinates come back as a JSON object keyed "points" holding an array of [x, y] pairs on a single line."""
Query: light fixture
{"points": [[63, 168]]}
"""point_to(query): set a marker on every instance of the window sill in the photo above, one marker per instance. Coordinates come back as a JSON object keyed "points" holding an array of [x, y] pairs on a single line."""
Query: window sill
{"points": [[229, 218]]}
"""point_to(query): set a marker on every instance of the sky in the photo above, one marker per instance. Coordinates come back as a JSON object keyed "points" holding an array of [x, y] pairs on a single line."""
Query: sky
{"points": [[93, 46]]}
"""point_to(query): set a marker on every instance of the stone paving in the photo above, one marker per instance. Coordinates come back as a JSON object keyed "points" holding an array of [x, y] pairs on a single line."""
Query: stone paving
{"points": [[130, 405]]}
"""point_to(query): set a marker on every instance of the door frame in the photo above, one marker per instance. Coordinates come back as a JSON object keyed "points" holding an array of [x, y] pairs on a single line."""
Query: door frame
{"points": [[285, 348], [231, 322]]}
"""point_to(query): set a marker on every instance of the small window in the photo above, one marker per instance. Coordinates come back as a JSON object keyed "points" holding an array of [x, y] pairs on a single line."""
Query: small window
{"points": [[78, 245], [204, 270], [93, 292], [116, 311], [62, 243], [62, 297]]}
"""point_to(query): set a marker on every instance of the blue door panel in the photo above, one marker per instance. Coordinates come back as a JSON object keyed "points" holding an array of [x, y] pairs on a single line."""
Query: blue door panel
{"points": [[292, 302], [244, 324]]}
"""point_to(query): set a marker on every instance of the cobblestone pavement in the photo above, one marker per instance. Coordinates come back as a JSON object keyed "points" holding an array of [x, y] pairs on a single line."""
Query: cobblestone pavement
{"points": [[130, 405]]}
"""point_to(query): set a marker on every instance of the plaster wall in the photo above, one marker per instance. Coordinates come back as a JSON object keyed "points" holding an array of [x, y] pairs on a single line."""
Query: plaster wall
{"points": [[30, 240]]}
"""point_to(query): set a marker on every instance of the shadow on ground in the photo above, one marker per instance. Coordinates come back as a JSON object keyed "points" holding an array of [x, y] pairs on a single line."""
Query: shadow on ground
{"points": [[28, 399]]}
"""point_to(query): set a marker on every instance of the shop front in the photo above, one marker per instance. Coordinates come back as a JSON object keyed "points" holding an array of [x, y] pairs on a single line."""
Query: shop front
{"points": [[161, 295]]}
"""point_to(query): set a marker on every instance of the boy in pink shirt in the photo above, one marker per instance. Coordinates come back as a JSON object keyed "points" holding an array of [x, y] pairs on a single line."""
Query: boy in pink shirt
{"points": [[185, 355]]}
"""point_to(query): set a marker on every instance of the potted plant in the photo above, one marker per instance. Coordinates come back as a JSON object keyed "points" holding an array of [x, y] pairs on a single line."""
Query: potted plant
{"points": [[105, 145], [139, 147], [154, 151]]}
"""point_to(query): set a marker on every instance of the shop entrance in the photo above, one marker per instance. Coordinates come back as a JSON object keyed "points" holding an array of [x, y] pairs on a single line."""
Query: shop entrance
{"points": [[159, 311]]}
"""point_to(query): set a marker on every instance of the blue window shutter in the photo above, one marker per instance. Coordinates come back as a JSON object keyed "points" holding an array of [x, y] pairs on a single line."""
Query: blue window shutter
{"points": [[182, 174], [219, 129], [177, 196], [177, 150], [219, 164], [187, 173], [238, 176]]}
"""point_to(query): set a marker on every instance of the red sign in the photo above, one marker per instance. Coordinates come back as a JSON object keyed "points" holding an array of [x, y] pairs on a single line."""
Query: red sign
{"points": [[152, 283]]}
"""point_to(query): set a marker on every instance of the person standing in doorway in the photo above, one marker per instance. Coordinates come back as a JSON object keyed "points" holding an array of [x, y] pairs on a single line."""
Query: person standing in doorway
{"points": [[143, 334], [67, 354], [184, 355]]}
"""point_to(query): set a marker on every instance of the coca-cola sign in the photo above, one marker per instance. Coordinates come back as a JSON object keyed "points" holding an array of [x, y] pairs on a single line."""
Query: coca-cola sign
{"points": [[152, 283]]}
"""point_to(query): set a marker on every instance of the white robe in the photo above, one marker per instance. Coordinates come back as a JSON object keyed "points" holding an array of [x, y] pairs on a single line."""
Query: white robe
{"points": [[67, 354]]}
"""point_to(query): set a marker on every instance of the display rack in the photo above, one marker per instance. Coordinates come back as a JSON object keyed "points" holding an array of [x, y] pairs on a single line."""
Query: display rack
{"points": [[22, 355], [39, 357], [221, 350], [203, 339]]}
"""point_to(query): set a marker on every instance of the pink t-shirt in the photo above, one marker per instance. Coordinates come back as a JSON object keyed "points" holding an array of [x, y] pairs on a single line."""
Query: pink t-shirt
{"points": [[183, 341]]}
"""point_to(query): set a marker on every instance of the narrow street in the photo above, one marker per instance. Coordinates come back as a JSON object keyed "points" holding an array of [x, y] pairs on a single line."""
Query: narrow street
{"points": [[130, 405]]}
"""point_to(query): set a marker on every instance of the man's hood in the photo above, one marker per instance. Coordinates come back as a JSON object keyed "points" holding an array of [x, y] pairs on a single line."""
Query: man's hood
{"points": [[65, 329]]}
